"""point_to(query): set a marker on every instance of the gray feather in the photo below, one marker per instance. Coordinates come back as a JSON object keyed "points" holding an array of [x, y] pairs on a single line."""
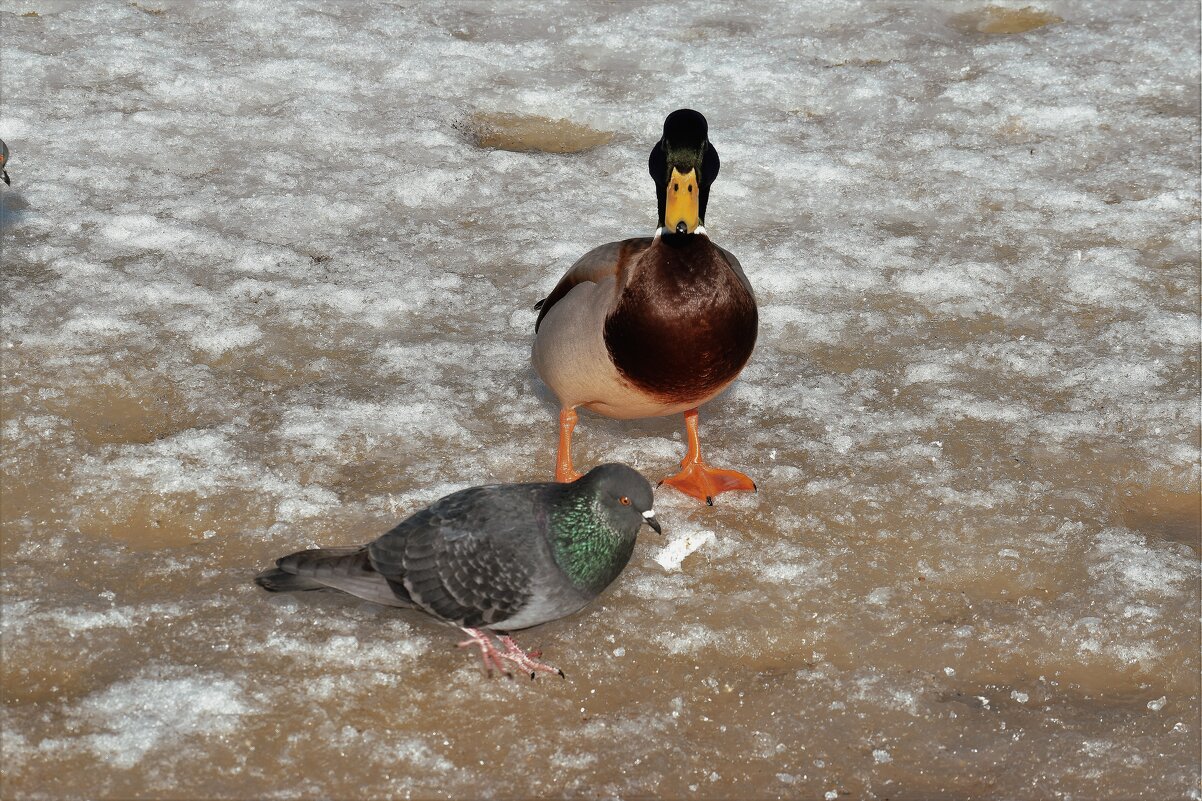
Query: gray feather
{"points": [[346, 569]]}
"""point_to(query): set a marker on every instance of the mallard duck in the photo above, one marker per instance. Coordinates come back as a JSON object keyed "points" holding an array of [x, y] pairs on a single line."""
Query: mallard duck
{"points": [[653, 326]]}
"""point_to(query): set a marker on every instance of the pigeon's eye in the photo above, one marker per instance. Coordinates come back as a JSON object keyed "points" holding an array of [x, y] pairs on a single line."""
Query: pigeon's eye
{"points": [[624, 501]]}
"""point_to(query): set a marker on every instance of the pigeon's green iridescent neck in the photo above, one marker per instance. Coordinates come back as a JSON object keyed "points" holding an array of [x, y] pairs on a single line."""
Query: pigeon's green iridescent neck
{"points": [[589, 549]]}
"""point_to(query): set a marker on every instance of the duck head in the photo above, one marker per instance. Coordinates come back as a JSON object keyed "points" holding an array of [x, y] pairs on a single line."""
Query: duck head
{"points": [[683, 164]]}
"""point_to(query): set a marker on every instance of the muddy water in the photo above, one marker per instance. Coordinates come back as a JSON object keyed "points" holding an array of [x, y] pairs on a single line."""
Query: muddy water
{"points": [[971, 570]]}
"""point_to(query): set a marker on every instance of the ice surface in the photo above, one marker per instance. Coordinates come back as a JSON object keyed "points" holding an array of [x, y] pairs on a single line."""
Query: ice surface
{"points": [[264, 289], [144, 714]]}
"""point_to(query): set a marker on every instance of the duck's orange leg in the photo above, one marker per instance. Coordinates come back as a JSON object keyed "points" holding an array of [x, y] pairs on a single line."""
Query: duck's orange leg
{"points": [[698, 479], [563, 459]]}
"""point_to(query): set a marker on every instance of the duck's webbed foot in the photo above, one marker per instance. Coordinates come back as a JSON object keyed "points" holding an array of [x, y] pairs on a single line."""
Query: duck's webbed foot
{"points": [[704, 482], [698, 479]]}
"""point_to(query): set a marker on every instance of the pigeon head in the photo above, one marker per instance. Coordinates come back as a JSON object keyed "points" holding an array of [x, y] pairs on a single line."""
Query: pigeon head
{"points": [[624, 494]]}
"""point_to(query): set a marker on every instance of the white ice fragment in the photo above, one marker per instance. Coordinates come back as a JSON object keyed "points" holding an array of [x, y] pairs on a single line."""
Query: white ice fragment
{"points": [[831, 795], [145, 231], [951, 671], [692, 639], [94, 325], [881, 756], [1157, 704], [619, 652], [420, 754], [927, 371], [312, 506], [1058, 116], [86, 621], [1128, 560], [1019, 696], [572, 761], [143, 713], [794, 572], [680, 546], [219, 341]]}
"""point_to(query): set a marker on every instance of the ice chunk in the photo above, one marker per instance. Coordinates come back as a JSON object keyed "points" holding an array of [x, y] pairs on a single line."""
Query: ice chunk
{"points": [[680, 546]]}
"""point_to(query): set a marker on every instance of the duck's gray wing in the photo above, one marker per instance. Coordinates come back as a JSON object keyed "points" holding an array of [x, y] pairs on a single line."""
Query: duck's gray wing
{"points": [[736, 267], [595, 266]]}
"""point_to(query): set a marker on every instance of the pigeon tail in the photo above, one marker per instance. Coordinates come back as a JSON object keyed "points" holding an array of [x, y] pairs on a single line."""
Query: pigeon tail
{"points": [[346, 569], [276, 580]]}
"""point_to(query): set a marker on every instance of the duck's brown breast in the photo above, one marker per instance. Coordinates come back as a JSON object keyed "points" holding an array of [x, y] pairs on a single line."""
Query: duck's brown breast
{"points": [[685, 324]]}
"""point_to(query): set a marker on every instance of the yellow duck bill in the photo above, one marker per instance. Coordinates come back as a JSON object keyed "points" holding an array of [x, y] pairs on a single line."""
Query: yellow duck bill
{"points": [[682, 211]]}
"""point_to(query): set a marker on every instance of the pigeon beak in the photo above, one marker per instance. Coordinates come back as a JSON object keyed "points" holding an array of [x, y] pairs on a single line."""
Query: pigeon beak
{"points": [[649, 517]]}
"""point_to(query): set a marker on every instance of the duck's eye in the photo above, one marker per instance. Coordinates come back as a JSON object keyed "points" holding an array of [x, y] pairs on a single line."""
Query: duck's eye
{"points": [[624, 501]]}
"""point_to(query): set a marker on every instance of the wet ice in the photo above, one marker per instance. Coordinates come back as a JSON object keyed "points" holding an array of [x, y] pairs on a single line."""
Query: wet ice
{"points": [[263, 289]]}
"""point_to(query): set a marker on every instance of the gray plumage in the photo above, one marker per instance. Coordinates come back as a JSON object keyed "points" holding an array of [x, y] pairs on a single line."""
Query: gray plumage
{"points": [[501, 557]]}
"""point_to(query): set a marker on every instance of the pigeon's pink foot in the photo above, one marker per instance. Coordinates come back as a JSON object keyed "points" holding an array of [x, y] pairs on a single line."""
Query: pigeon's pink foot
{"points": [[494, 659], [526, 660], [489, 654]]}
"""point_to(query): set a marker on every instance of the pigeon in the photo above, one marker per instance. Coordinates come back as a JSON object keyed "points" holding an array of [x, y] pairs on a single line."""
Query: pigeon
{"points": [[500, 557], [4, 162]]}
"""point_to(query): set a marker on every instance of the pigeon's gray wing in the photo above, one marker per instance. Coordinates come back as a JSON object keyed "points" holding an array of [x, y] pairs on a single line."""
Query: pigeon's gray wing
{"points": [[471, 558]]}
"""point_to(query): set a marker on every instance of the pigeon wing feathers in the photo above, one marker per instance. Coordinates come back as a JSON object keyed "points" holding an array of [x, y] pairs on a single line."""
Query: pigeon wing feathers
{"points": [[470, 557]]}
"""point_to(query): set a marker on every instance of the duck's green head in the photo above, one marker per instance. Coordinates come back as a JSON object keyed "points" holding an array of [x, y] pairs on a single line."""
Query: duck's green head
{"points": [[683, 164]]}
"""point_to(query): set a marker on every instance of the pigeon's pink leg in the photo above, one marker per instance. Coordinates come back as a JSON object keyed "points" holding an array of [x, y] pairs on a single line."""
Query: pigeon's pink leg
{"points": [[489, 655], [526, 660], [494, 659]]}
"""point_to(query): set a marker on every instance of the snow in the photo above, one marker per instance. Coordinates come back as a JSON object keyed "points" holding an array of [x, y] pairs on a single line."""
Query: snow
{"points": [[145, 714], [680, 546], [263, 291]]}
